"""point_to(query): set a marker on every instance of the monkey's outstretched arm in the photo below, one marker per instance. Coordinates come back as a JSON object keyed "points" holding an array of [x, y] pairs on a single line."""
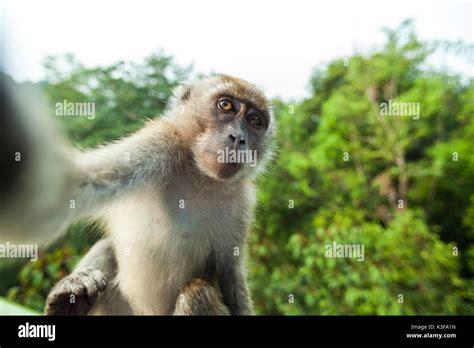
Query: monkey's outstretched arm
{"points": [[149, 156], [47, 184], [36, 166]]}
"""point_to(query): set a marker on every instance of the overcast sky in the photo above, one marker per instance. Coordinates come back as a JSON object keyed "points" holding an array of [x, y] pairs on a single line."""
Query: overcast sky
{"points": [[274, 43]]}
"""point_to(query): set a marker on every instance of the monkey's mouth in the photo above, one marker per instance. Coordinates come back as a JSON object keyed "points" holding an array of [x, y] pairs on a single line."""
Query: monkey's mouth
{"points": [[227, 170], [216, 167]]}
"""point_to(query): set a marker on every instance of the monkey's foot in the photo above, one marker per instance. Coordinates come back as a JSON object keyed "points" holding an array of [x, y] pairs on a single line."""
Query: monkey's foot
{"points": [[75, 294], [199, 298]]}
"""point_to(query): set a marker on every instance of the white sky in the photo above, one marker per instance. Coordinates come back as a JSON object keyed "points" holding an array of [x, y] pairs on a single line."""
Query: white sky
{"points": [[274, 43]]}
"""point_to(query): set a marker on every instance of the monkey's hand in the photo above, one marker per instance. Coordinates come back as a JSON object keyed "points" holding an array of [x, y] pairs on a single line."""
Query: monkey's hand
{"points": [[75, 294]]}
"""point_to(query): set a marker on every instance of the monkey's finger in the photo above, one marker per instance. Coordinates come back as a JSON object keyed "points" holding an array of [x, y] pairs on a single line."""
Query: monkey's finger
{"points": [[55, 309], [57, 303], [82, 306], [56, 297], [62, 297], [70, 304], [98, 279], [66, 291], [93, 285]]}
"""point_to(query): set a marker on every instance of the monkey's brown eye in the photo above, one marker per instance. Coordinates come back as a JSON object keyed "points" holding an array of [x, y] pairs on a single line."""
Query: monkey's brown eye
{"points": [[254, 120], [226, 105]]}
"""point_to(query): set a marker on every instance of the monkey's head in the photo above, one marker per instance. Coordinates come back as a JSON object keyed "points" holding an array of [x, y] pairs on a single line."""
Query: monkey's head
{"points": [[229, 124]]}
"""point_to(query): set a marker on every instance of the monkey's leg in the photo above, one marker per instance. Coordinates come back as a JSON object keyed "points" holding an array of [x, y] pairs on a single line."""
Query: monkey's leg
{"points": [[233, 285], [77, 293], [199, 297]]}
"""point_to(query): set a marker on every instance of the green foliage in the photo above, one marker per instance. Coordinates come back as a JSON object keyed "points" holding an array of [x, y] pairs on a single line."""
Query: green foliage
{"points": [[404, 258], [124, 94], [37, 278], [347, 168]]}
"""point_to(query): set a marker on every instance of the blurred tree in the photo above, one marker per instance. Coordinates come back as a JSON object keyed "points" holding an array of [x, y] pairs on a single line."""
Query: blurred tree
{"points": [[390, 183], [124, 94]]}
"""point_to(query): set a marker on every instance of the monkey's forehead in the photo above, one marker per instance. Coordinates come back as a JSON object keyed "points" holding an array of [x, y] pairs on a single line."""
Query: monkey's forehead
{"points": [[238, 88]]}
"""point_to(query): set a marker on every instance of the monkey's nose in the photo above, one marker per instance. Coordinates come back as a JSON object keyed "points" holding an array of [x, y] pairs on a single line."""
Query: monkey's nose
{"points": [[237, 140]]}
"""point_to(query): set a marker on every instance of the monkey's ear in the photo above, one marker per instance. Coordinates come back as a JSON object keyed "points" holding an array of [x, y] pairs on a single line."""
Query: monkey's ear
{"points": [[182, 93]]}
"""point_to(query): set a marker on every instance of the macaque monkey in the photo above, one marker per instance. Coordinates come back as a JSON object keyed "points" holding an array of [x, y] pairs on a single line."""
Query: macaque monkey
{"points": [[177, 200]]}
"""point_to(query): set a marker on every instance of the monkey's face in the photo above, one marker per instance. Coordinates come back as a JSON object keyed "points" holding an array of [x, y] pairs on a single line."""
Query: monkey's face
{"points": [[236, 130]]}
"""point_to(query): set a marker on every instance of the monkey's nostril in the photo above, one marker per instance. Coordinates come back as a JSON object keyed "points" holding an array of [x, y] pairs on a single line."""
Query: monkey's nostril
{"points": [[233, 138]]}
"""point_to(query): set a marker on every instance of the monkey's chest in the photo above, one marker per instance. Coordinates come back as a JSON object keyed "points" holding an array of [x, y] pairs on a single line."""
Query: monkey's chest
{"points": [[164, 242], [158, 253]]}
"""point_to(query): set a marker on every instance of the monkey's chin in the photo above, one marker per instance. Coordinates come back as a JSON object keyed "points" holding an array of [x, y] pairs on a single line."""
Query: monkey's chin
{"points": [[223, 171], [227, 170], [209, 165]]}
